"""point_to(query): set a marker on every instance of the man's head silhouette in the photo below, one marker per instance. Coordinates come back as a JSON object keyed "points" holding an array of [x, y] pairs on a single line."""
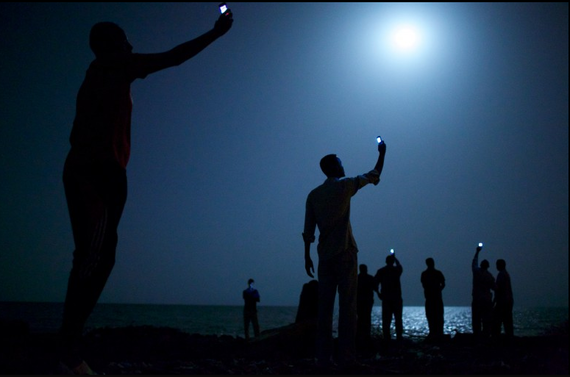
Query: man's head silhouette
{"points": [[430, 263], [390, 259], [108, 37], [332, 166], [484, 264], [501, 264]]}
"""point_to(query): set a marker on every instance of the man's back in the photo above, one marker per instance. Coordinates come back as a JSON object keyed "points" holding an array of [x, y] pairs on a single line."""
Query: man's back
{"points": [[483, 283], [251, 298], [432, 282], [366, 287], [504, 292], [389, 279], [328, 207]]}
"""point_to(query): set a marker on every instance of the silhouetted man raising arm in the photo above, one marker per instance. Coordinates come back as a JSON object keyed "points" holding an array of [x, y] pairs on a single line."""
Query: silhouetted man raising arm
{"points": [[94, 176], [328, 208]]}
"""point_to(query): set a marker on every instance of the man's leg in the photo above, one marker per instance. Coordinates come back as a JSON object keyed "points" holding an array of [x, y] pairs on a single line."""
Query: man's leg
{"points": [[368, 320], [398, 309], [508, 321], [246, 320], [440, 318], [476, 318], [487, 317], [387, 312], [327, 292], [497, 321], [96, 198], [347, 289], [360, 320], [255, 325], [429, 317]]}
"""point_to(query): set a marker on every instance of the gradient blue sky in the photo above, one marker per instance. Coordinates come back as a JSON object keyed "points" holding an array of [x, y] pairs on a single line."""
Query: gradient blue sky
{"points": [[225, 148]]}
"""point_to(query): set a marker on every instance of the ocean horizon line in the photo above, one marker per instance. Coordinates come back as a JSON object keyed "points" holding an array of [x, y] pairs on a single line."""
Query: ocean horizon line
{"points": [[265, 305]]}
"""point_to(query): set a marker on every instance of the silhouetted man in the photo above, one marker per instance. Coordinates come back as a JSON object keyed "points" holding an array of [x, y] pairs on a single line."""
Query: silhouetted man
{"points": [[433, 283], [365, 302], [482, 304], [503, 310], [388, 277], [328, 207], [251, 298], [94, 175]]}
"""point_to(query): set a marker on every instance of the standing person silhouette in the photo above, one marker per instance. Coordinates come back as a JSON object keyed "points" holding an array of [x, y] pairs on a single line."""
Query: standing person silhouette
{"points": [[94, 175], [328, 208], [433, 283], [365, 302], [482, 304], [503, 308], [251, 298], [388, 277]]}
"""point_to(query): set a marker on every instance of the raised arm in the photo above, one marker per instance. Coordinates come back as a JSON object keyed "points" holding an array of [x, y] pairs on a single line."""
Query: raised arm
{"points": [[475, 262], [381, 153], [150, 63], [398, 265]]}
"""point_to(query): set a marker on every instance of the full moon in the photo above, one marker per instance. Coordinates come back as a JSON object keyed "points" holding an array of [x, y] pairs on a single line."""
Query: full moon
{"points": [[405, 38]]}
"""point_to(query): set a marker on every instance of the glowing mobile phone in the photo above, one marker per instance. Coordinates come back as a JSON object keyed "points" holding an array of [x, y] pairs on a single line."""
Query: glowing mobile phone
{"points": [[391, 251], [223, 8], [480, 244], [379, 139]]}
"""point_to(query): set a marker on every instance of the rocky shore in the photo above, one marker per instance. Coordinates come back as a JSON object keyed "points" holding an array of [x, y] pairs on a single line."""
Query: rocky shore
{"points": [[286, 350]]}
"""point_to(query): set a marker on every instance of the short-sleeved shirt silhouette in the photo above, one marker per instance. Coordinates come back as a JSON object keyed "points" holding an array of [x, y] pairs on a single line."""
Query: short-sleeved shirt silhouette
{"points": [[251, 298], [504, 291], [389, 279], [328, 205], [483, 283], [366, 287], [433, 282], [102, 126]]}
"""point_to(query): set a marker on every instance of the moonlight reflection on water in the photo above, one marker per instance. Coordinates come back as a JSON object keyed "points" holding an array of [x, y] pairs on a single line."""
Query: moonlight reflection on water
{"points": [[456, 319]]}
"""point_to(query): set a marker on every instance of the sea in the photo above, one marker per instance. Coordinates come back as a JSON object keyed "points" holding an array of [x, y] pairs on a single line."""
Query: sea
{"points": [[221, 320]]}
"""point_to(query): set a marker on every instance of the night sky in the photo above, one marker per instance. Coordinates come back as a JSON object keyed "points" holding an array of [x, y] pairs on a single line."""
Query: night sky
{"points": [[226, 147]]}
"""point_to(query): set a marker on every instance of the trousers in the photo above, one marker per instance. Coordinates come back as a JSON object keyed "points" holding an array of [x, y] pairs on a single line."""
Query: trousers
{"points": [[338, 273], [96, 195]]}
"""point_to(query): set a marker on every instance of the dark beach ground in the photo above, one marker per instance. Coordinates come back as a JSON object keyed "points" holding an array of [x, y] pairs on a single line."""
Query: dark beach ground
{"points": [[287, 350]]}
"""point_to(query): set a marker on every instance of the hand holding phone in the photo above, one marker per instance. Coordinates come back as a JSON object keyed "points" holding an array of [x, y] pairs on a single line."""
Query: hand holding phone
{"points": [[224, 8], [381, 145], [225, 21]]}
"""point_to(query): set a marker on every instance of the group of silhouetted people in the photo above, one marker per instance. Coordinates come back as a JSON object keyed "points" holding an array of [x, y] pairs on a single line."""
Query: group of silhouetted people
{"points": [[327, 208], [386, 284], [490, 313], [95, 183]]}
